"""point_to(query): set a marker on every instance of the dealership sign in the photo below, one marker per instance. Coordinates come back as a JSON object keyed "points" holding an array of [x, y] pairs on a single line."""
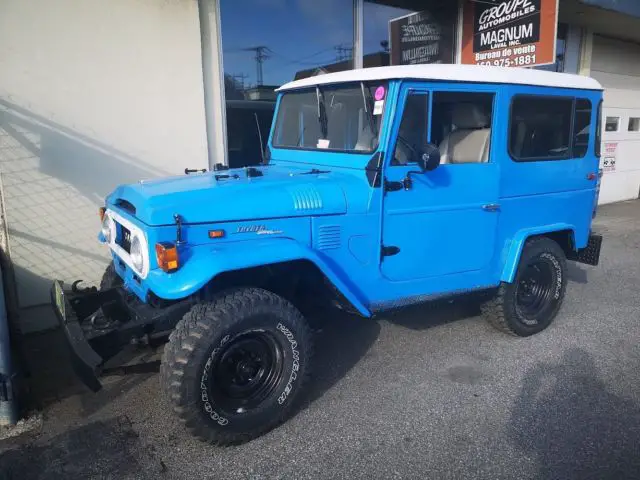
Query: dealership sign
{"points": [[509, 33], [422, 38]]}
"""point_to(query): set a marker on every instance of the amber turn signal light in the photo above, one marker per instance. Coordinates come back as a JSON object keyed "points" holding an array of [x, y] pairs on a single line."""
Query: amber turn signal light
{"points": [[216, 233], [101, 212], [167, 256]]}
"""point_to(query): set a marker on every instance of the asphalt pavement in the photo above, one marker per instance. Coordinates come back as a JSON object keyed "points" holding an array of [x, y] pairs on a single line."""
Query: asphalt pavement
{"points": [[424, 393]]}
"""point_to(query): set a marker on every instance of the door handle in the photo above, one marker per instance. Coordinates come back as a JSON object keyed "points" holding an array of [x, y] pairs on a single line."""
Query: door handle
{"points": [[491, 207]]}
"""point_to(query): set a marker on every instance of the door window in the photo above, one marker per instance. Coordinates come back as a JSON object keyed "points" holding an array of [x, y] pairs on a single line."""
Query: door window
{"points": [[412, 134], [461, 126]]}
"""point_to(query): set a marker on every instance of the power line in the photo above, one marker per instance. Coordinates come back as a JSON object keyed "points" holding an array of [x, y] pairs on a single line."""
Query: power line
{"points": [[301, 59]]}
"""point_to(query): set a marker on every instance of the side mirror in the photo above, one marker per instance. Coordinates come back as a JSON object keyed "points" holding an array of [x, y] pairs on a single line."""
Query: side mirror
{"points": [[428, 157]]}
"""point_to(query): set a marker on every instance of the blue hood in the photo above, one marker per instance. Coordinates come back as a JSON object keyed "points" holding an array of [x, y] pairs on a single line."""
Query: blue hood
{"points": [[202, 198]]}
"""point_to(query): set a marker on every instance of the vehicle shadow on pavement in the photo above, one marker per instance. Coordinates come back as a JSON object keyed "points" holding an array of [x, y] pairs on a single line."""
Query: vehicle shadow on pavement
{"points": [[577, 274], [341, 341], [566, 416], [433, 314]]}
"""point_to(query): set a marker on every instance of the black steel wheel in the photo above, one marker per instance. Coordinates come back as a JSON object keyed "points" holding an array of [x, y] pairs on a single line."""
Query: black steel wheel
{"points": [[535, 288], [245, 371], [234, 367], [529, 304]]}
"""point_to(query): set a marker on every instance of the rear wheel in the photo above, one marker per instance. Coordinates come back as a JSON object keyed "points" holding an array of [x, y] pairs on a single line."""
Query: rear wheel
{"points": [[529, 304], [234, 366]]}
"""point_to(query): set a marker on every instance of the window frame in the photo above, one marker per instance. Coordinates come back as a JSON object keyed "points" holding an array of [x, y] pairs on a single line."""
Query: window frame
{"points": [[331, 150], [633, 121], [568, 155]]}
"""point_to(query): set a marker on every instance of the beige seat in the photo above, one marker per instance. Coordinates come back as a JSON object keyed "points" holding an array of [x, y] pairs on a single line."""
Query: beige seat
{"points": [[469, 142]]}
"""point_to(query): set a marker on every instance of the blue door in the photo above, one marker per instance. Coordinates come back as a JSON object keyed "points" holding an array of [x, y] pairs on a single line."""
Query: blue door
{"points": [[445, 222]]}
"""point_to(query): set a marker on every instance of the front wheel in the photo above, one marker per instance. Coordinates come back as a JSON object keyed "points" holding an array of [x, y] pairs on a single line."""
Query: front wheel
{"points": [[234, 366], [529, 304]]}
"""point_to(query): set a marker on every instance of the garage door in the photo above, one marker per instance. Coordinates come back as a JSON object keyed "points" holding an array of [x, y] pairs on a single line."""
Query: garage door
{"points": [[616, 64]]}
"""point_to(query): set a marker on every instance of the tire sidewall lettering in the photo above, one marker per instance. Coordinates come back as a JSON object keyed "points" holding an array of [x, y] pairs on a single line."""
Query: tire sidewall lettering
{"points": [[558, 269], [295, 365], [207, 404]]}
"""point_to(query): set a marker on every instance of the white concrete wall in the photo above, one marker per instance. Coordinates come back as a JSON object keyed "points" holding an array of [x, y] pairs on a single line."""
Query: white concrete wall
{"points": [[93, 93], [616, 64]]}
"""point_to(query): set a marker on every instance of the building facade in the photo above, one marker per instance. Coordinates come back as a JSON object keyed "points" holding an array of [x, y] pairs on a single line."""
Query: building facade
{"points": [[94, 94]]}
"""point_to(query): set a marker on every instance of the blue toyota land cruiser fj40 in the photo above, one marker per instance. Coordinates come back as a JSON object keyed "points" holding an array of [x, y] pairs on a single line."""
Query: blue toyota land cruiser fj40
{"points": [[380, 188]]}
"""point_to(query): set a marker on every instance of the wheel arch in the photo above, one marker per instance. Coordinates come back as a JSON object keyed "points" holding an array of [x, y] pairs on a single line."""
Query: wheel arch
{"points": [[249, 263], [563, 234]]}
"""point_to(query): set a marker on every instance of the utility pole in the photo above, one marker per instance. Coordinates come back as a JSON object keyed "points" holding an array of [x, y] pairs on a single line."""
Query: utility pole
{"points": [[239, 78], [343, 53], [261, 56]]}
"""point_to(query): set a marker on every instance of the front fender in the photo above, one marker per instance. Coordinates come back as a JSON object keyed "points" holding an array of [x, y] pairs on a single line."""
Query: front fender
{"points": [[202, 263], [513, 249]]}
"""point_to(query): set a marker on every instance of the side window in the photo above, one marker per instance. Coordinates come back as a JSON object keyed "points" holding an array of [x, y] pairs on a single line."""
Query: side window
{"points": [[581, 127], [599, 129], [461, 126], [540, 128], [412, 134]]}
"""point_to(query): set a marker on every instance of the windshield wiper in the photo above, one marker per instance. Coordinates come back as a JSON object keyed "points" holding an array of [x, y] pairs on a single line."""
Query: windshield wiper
{"points": [[368, 109], [313, 171], [322, 114]]}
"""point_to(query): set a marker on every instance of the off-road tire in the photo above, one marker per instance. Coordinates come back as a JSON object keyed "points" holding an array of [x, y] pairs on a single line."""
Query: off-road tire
{"points": [[504, 312], [111, 279], [188, 368]]}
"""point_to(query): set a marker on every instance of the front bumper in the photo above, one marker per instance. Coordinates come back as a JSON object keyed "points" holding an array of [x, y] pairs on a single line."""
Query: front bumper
{"points": [[92, 343]]}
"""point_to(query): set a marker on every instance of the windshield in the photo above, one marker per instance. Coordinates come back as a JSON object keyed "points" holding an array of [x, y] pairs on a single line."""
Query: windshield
{"points": [[343, 118]]}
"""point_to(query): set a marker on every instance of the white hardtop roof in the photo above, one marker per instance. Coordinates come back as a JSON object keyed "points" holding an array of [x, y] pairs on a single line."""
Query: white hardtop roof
{"points": [[452, 73]]}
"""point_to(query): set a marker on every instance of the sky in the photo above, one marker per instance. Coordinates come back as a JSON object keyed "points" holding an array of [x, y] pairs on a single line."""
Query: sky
{"points": [[300, 34]]}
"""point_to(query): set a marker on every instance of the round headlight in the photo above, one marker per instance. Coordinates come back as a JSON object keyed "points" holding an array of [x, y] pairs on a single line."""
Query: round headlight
{"points": [[106, 228], [137, 259]]}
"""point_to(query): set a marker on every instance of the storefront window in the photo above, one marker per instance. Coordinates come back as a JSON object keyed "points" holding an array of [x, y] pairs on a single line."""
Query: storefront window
{"points": [[405, 32], [561, 48], [267, 43]]}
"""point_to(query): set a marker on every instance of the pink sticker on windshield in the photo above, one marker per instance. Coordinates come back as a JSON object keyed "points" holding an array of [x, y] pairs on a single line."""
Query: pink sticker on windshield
{"points": [[379, 95]]}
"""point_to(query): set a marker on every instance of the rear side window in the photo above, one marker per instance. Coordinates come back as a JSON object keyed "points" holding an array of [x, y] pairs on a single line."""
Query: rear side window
{"points": [[581, 127], [540, 128], [599, 129]]}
